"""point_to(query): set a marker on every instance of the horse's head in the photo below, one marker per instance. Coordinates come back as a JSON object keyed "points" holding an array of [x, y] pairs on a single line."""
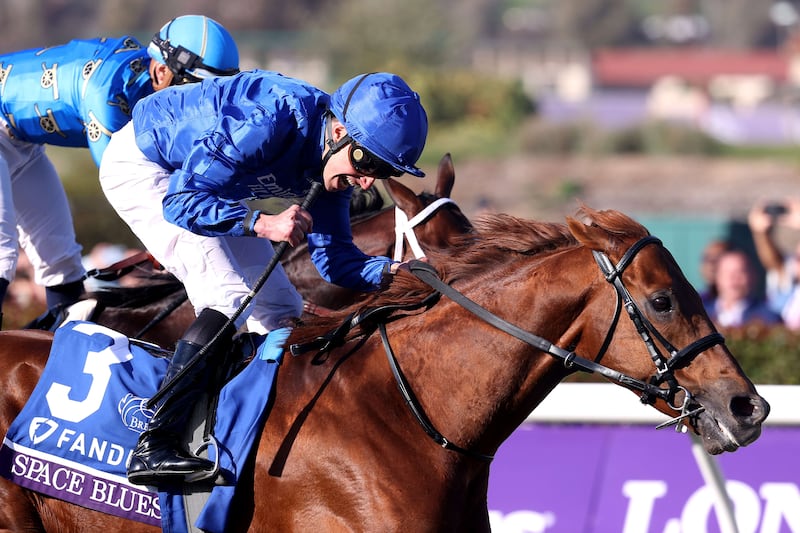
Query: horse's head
{"points": [[431, 219], [660, 335]]}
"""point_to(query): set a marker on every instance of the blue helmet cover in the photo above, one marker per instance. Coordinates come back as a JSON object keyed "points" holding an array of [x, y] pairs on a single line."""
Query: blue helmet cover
{"points": [[203, 36], [383, 114]]}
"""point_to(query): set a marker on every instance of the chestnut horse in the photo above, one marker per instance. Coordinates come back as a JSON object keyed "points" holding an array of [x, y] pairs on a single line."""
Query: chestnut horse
{"points": [[156, 315], [344, 450]]}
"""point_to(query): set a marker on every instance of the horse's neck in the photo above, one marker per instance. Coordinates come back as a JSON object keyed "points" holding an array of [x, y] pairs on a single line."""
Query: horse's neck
{"points": [[480, 383]]}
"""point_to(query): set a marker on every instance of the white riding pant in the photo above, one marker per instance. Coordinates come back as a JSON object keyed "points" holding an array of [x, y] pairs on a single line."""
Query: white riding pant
{"points": [[218, 272], [34, 214]]}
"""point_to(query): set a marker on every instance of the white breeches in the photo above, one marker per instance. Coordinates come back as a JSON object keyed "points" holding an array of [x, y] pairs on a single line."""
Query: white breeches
{"points": [[34, 214], [218, 272]]}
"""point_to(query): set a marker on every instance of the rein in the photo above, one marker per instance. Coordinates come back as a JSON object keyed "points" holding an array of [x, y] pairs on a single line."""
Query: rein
{"points": [[613, 273], [650, 390], [425, 272]]}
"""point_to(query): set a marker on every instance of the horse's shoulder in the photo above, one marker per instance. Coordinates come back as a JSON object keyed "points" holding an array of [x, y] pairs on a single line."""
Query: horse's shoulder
{"points": [[24, 346], [24, 336]]}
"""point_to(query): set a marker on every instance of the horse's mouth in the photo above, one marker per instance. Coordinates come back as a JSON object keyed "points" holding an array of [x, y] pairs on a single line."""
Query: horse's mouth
{"points": [[724, 433]]}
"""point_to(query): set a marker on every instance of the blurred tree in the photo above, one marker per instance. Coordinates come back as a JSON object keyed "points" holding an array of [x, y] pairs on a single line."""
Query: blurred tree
{"points": [[592, 23], [363, 35], [738, 23], [430, 32], [13, 34]]}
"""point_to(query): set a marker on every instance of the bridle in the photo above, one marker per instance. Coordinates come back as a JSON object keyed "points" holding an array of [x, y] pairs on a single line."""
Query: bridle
{"points": [[650, 390], [404, 228], [664, 365]]}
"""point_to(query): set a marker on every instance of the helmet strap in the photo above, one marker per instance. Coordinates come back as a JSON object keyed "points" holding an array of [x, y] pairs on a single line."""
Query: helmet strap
{"points": [[333, 146]]}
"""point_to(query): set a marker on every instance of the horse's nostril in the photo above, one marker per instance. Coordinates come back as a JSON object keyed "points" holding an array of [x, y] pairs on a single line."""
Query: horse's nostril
{"points": [[749, 407]]}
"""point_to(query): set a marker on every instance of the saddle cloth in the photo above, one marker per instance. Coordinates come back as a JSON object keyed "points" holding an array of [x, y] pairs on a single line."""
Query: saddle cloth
{"points": [[73, 438]]}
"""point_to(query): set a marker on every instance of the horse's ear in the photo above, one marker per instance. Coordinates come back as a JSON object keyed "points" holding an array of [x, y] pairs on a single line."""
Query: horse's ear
{"points": [[446, 177], [588, 234], [403, 197]]}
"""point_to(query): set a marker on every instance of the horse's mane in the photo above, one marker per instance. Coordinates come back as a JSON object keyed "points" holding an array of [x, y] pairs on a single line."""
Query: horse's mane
{"points": [[494, 239], [151, 288]]}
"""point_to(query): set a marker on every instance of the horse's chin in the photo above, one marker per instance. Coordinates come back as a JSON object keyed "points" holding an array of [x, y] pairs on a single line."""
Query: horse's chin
{"points": [[717, 437]]}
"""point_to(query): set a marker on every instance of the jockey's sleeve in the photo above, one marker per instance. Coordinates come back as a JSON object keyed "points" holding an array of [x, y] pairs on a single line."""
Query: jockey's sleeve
{"points": [[330, 243]]}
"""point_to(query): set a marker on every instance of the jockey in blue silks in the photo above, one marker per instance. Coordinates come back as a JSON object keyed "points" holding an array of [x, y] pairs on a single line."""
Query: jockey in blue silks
{"points": [[76, 95], [181, 175]]}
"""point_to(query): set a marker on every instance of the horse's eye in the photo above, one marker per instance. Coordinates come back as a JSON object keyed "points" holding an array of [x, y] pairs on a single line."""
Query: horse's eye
{"points": [[662, 304]]}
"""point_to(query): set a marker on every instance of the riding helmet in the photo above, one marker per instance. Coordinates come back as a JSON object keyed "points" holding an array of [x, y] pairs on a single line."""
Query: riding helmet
{"points": [[383, 114], [195, 47]]}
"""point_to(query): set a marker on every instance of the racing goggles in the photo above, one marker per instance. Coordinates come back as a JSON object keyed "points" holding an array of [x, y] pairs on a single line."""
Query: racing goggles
{"points": [[185, 63], [368, 164]]}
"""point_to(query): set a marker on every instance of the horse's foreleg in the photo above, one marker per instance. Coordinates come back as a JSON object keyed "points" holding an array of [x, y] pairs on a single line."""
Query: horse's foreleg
{"points": [[17, 510]]}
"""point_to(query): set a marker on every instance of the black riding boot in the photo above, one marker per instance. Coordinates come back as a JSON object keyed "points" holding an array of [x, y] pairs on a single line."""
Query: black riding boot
{"points": [[160, 455]]}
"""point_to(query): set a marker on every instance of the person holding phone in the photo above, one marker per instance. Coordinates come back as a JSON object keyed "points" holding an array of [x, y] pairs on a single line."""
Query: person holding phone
{"points": [[782, 266]]}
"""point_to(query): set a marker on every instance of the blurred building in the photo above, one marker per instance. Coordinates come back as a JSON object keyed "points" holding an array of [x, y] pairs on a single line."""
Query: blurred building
{"points": [[737, 96]]}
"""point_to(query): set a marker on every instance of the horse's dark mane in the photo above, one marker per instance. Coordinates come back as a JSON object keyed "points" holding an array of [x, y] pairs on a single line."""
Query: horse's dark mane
{"points": [[365, 202], [153, 288]]}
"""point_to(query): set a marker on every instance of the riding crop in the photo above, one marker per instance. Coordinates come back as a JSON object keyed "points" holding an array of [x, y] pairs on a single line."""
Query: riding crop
{"points": [[280, 249]]}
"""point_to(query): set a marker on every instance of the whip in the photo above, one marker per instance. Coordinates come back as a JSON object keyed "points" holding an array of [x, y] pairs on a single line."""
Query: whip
{"points": [[280, 249]]}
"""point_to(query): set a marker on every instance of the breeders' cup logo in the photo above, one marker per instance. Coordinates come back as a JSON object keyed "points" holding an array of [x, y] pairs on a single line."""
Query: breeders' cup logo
{"points": [[135, 415], [40, 429]]}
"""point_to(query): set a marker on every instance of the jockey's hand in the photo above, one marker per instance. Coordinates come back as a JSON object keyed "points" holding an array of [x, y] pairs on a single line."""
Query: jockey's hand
{"points": [[291, 225], [404, 265]]}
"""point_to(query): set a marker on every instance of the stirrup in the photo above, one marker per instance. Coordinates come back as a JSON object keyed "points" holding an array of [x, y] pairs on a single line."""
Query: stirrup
{"points": [[203, 475]]}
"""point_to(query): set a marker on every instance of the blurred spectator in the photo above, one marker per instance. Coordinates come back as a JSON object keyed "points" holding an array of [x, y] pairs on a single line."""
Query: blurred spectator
{"points": [[485, 206], [25, 298], [736, 304], [782, 267], [708, 268]]}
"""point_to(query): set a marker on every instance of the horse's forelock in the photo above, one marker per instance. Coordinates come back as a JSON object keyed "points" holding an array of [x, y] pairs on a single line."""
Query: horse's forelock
{"points": [[604, 230]]}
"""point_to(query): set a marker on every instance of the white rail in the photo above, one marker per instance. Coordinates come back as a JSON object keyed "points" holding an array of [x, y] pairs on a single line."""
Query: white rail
{"points": [[607, 403]]}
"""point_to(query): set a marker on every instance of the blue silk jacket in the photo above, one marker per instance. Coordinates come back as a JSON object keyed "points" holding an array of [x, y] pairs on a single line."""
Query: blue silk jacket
{"points": [[255, 135], [76, 94]]}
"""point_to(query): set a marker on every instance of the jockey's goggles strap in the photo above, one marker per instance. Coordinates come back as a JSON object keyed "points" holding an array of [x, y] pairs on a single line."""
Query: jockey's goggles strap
{"points": [[180, 60], [333, 147]]}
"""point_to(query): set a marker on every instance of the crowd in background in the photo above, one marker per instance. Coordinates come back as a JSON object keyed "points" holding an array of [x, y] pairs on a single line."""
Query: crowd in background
{"points": [[732, 294], [26, 299]]}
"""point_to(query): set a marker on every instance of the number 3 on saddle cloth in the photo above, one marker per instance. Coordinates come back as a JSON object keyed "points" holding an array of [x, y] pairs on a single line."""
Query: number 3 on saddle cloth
{"points": [[74, 437]]}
